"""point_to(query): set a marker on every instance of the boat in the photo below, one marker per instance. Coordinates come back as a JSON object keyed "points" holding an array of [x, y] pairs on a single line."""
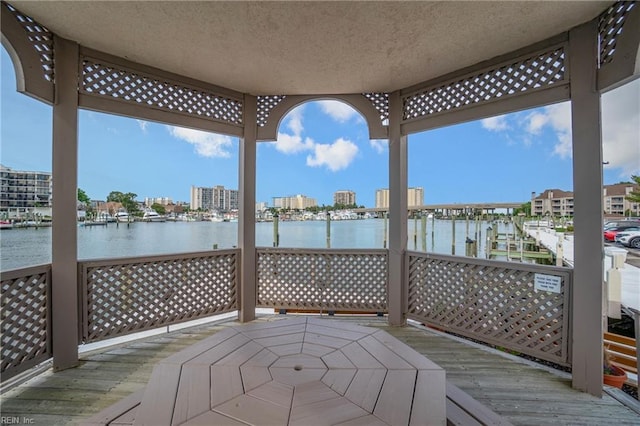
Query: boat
{"points": [[216, 217], [153, 216], [5, 224], [122, 217]]}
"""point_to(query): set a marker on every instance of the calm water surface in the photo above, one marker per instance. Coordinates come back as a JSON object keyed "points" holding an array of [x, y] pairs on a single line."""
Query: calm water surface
{"points": [[26, 247]]}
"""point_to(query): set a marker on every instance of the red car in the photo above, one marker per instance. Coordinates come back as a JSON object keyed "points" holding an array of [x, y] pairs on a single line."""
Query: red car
{"points": [[610, 233]]}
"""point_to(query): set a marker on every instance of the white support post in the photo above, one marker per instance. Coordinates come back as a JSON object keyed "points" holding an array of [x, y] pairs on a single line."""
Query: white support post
{"points": [[64, 263], [246, 213], [398, 216], [587, 186]]}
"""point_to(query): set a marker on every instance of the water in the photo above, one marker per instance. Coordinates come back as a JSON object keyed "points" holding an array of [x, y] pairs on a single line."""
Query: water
{"points": [[27, 247]]}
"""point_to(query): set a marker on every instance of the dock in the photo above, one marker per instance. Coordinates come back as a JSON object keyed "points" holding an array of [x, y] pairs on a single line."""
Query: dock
{"points": [[561, 245], [523, 392]]}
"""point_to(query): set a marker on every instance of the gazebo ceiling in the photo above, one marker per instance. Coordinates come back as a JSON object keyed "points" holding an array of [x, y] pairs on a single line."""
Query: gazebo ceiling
{"points": [[309, 47]]}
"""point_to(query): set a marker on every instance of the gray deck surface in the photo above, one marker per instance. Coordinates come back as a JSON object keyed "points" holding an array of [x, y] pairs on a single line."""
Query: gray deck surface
{"points": [[522, 393]]}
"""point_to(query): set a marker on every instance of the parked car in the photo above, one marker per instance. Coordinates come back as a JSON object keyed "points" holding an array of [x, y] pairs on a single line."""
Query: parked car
{"points": [[629, 238], [610, 233], [625, 222]]}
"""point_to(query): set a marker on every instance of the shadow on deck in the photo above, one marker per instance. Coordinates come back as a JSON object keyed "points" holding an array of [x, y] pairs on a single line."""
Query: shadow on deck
{"points": [[519, 391]]}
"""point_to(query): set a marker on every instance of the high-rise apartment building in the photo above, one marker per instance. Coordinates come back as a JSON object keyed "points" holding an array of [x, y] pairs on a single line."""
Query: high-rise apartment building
{"points": [[415, 197], [344, 197], [299, 202], [225, 199], [216, 198], [201, 198], [22, 191]]}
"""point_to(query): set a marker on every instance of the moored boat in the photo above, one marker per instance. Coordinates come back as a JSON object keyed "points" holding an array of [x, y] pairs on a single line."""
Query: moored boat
{"points": [[153, 216], [122, 217]]}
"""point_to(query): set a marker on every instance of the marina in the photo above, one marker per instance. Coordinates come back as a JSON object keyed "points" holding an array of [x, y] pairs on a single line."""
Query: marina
{"points": [[27, 247]]}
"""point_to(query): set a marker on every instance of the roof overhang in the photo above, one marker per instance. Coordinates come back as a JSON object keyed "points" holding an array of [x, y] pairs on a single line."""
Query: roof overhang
{"points": [[309, 47]]}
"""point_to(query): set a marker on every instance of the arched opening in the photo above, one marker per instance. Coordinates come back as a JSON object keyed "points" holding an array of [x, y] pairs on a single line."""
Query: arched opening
{"points": [[26, 174], [322, 162]]}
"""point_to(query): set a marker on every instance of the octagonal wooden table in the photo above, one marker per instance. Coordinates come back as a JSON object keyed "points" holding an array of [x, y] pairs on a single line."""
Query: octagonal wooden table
{"points": [[298, 371]]}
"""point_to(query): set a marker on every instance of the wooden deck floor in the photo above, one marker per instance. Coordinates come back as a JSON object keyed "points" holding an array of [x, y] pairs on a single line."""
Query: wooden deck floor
{"points": [[523, 394]]}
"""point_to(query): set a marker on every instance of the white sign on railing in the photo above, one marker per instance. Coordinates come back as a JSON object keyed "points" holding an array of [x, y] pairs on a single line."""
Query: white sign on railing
{"points": [[545, 282]]}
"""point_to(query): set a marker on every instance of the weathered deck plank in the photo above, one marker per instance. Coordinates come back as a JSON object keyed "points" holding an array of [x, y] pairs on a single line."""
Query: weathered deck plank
{"points": [[530, 396]]}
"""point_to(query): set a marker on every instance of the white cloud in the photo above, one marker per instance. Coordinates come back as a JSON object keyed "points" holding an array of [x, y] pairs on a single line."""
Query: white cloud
{"points": [[558, 116], [337, 110], [495, 124], [295, 120], [205, 144], [621, 129], [335, 156], [143, 125], [536, 121], [290, 144], [378, 145]]}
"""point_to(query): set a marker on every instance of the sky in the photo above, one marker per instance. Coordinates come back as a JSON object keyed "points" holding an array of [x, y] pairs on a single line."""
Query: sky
{"points": [[323, 147]]}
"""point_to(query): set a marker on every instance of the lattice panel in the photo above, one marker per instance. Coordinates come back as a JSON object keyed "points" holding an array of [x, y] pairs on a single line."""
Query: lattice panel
{"points": [[322, 280], [380, 102], [26, 332], [265, 105], [40, 38], [610, 27], [132, 297], [512, 78], [138, 88], [494, 304]]}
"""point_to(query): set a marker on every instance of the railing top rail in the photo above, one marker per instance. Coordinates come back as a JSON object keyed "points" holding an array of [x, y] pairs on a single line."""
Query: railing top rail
{"points": [[321, 250], [22, 272], [155, 258], [528, 267]]}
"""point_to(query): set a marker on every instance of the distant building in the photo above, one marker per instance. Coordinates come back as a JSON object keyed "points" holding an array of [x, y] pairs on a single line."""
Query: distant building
{"points": [[556, 202], [415, 197], [299, 202], [552, 202], [344, 197], [615, 199], [23, 191], [261, 206], [201, 198], [216, 198], [225, 199], [165, 201]]}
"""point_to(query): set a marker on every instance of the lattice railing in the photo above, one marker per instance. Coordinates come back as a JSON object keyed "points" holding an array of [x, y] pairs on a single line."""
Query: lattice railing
{"points": [[610, 25], [26, 319], [494, 302], [116, 82], [511, 78], [40, 38], [327, 280], [122, 296]]}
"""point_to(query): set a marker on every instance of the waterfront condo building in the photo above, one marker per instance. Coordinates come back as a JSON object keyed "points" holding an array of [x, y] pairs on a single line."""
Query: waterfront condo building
{"points": [[295, 202], [552, 202], [23, 191], [555, 202], [415, 197], [344, 197], [165, 201], [216, 198], [201, 198]]}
